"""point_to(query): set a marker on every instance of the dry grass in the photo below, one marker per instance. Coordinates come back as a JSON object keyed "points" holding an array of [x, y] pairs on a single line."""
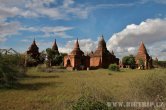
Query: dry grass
{"points": [[51, 91]]}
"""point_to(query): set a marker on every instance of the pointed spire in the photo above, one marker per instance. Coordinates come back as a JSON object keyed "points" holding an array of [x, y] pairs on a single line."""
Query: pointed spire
{"points": [[77, 50], [54, 46], [34, 42], [102, 43], [142, 48], [102, 37], [33, 46], [77, 44]]}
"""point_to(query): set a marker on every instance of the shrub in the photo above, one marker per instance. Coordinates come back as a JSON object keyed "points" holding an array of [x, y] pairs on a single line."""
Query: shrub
{"points": [[113, 67], [92, 99], [88, 103], [10, 69], [31, 61]]}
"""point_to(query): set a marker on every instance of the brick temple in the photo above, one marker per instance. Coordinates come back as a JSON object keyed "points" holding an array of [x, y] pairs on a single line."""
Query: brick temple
{"points": [[33, 50], [55, 47], [101, 58], [76, 59], [144, 56]]}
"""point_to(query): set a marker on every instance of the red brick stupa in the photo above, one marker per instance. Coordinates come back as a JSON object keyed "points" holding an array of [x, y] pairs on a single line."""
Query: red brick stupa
{"points": [[143, 56], [55, 47], [33, 50], [76, 59], [102, 58]]}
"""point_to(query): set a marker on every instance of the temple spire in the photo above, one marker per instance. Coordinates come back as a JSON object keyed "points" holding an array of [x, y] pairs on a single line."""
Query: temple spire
{"points": [[34, 42], [55, 47], [142, 48], [102, 43], [77, 44], [77, 50]]}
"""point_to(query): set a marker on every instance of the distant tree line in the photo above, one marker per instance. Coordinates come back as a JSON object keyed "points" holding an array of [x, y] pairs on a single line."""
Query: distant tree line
{"points": [[49, 57], [161, 64]]}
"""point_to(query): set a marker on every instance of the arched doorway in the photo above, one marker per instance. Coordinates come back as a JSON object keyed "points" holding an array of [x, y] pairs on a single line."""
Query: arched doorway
{"points": [[68, 63]]}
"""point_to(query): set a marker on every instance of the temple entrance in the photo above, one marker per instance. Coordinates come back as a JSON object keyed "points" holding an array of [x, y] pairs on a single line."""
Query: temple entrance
{"points": [[68, 63], [82, 64]]}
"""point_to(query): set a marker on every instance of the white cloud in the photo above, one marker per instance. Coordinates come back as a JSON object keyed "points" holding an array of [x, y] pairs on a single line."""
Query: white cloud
{"points": [[86, 45], [25, 40], [42, 8], [156, 1], [59, 31], [7, 29], [150, 31], [12, 28], [50, 8]]}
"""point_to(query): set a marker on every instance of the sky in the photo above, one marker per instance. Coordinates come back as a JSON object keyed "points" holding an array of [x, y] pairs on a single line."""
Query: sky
{"points": [[123, 23]]}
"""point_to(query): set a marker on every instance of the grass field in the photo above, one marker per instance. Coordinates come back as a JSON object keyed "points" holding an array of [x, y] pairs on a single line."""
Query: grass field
{"points": [[57, 90]]}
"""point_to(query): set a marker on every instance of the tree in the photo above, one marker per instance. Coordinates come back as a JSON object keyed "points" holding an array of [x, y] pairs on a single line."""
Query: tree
{"points": [[10, 69], [129, 60], [54, 58]]}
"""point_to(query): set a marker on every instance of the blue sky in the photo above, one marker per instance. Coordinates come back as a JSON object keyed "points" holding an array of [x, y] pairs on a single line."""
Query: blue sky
{"points": [[124, 24]]}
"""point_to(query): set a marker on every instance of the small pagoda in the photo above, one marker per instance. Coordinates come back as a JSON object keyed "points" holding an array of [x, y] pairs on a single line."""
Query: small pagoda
{"points": [[143, 60], [32, 55], [55, 47], [102, 58], [76, 60]]}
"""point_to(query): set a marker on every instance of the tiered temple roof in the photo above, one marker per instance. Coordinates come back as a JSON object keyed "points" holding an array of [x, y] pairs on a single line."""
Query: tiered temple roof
{"points": [[33, 47], [101, 49], [142, 52], [77, 50], [55, 47]]}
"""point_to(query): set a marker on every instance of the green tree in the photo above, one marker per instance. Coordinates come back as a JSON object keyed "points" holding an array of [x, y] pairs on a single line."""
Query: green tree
{"points": [[54, 58], [10, 69], [129, 60]]}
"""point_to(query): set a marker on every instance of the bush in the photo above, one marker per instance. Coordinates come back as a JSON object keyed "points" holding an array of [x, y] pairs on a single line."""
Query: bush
{"points": [[92, 99], [113, 67], [10, 69], [88, 103]]}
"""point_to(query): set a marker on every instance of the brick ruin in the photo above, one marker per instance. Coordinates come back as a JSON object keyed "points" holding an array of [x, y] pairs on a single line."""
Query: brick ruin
{"points": [[76, 59], [101, 58], [55, 47], [144, 56], [32, 52]]}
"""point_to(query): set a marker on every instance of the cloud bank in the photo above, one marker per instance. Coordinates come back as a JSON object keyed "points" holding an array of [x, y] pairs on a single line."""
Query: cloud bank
{"points": [[151, 32]]}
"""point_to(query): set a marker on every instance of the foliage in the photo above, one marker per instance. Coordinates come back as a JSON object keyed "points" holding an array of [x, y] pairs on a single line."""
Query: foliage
{"points": [[113, 67], [31, 61], [10, 69], [54, 58], [129, 60], [42, 57], [88, 103], [160, 64]]}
